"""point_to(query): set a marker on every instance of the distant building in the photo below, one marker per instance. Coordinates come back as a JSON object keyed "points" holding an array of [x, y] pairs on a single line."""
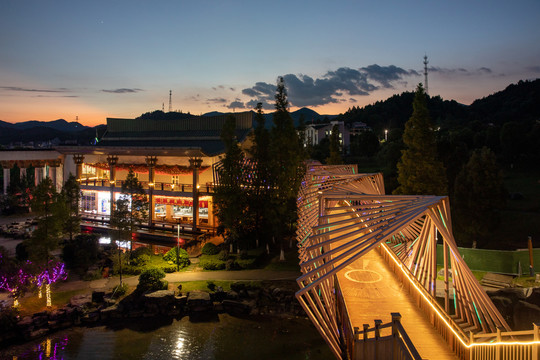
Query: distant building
{"points": [[316, 132], [358, 127], [173, 159]]}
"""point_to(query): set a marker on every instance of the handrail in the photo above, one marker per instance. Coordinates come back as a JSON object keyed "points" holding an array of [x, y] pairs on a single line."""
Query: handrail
{"points": [[398, 336]]}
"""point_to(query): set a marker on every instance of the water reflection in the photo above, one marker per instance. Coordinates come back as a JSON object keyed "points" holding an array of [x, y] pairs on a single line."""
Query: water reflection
{"points": [[261, 338]]}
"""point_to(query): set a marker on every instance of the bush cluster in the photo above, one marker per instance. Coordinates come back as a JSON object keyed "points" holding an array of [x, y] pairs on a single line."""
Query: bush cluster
{"points": [[210, 249], [151, 280], [211, 263], [183, 257]]}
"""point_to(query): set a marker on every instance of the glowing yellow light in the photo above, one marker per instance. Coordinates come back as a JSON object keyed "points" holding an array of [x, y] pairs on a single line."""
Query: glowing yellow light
{"points": [[48, 293], [40, 293], [501, 343], [198, 186], [15, 302], [151, 184], [48, 348]]}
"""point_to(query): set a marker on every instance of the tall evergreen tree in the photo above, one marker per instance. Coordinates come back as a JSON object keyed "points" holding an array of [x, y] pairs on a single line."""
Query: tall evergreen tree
{"points": [[71, 195], [133, 190], [287, 162], [479, 196], [45, 238], [121, 230], [229, 195], [419, 171], [260, 189]]}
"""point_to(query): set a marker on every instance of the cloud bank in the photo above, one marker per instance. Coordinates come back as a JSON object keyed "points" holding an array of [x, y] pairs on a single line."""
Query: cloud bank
{"points": [[122, 90], [304, 90]]}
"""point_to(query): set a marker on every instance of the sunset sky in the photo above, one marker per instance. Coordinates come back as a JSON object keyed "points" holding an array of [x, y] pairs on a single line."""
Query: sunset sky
{"points": [[119, 58]]}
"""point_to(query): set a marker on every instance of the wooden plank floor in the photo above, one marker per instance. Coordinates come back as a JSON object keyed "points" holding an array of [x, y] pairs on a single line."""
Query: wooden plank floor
{"points": [[371, 291]]}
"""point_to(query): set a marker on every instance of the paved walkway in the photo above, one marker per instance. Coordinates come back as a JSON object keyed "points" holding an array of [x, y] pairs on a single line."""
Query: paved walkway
{"points": [[247, 275]]}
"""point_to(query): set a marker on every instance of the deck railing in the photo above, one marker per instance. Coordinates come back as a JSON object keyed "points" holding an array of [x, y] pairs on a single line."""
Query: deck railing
{"points": [[395, 345], [207, 188], [503, 345]]}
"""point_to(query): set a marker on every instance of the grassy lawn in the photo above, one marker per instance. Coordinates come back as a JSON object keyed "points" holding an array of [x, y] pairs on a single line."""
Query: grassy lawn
{"points": [[203, 285], [521, 217], [290, 263], [32, 304], [477, 274]]}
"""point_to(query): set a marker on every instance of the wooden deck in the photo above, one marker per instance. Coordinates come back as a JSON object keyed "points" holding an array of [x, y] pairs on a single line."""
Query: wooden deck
{"points": [[371, 292]]}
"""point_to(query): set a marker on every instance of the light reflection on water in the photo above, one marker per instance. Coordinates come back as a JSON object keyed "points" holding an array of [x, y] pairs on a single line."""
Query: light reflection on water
{"points": [[226, 338]]}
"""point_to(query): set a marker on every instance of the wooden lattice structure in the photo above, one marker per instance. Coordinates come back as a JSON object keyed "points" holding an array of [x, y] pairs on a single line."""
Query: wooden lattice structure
{"points": [[343, 215]]}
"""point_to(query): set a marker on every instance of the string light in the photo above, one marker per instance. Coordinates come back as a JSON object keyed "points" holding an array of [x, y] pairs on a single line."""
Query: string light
{"points": [[468, 346]]}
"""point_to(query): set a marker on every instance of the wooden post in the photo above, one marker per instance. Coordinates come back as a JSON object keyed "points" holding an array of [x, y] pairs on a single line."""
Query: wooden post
{"points": [[497, 348], [377, 337], [396, 319], [151, 163], [79, 160], [446, 294], [365, 338], [112, 160], [535, 351], [195, 164], [471, 349]]}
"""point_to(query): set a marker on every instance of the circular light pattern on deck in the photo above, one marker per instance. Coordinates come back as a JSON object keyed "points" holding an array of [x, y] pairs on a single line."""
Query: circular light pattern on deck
{"points": [[363, 276]]}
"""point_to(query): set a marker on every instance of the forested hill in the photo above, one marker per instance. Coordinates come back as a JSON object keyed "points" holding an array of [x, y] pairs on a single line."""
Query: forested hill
{"points": [[518, 102]]}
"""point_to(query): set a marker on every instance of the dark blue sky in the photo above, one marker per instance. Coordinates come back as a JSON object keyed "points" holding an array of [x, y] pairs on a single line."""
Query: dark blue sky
{"points": [[93, 59]]}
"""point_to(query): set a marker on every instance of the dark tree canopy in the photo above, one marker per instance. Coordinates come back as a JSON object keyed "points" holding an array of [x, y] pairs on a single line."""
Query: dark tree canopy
{"points": [[479, 196]]}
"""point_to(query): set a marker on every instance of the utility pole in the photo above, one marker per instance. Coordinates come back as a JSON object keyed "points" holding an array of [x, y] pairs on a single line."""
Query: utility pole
{"points": [[170, 100], [425, 73]]}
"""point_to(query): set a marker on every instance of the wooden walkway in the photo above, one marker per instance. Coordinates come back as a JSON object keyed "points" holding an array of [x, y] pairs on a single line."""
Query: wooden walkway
{"points": [[371, 292]]}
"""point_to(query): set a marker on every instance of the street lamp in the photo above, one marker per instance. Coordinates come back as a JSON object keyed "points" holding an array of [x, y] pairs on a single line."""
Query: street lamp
{"points": [[385, 134], [178, 248]]}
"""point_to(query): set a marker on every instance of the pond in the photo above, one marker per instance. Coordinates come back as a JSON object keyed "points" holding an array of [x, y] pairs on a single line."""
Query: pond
{"points": [[225, 337]]}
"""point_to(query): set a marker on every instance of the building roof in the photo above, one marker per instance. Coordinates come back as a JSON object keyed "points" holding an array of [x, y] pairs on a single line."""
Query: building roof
{"points": [[201, 133]]}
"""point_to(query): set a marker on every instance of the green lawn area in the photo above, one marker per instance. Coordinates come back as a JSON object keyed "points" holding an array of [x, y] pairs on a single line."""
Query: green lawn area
{"points": [[290, 263], [188, 286], [521, 217], [31, 304]]}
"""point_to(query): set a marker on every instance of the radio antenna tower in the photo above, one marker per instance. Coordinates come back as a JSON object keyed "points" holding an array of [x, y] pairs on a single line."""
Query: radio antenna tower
{"points": [[425, 73], [170, 100]]}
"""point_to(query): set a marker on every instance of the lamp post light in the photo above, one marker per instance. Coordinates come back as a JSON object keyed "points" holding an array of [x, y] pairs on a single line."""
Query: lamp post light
{"points": [[178, 248], [385, 134]]}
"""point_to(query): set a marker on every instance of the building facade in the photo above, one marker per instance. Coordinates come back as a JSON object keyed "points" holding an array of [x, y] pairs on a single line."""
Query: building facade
{"points": [[173, 160]]}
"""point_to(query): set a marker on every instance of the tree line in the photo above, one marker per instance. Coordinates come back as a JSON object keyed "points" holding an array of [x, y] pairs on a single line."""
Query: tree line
{"points": [[256, 193]]}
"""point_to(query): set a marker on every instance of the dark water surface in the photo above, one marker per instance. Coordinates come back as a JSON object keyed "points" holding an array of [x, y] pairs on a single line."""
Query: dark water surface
{"points": [[224, 338]]}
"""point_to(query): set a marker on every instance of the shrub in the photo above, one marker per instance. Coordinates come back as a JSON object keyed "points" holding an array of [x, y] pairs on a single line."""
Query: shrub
{"points": [[246, 263], [131, 270], [151, 280], [223, 255], [92, 275], [169, 268], [143, 250], [231, 264], [182, 256], [211, 263], [244, 255], [210, 249], [140, 260], [120, 290], [81, 253], [211, 285]]}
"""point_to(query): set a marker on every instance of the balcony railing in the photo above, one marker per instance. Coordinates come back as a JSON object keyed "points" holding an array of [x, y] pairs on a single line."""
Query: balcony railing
{"points": [[207, 188]]}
